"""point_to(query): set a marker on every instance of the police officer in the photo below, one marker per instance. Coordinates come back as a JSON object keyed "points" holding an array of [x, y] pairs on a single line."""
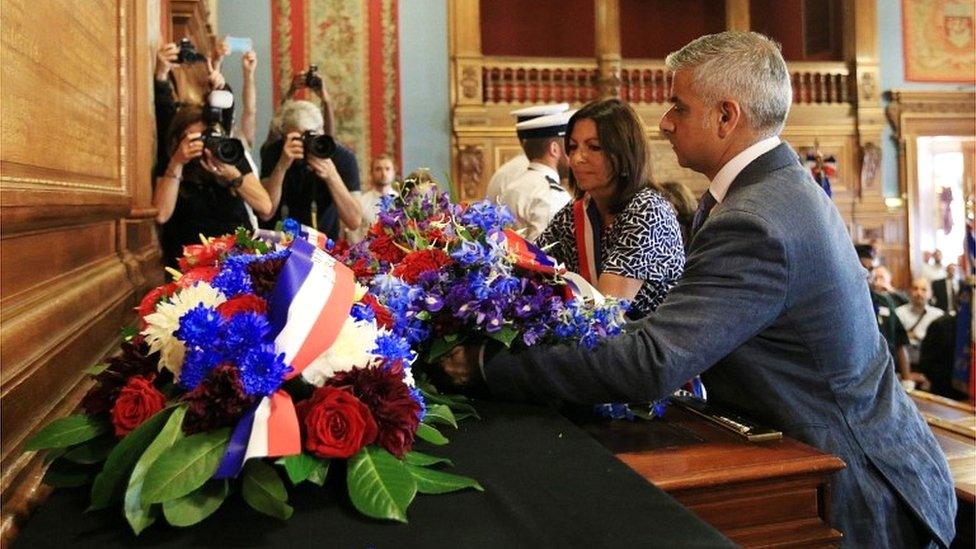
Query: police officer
{"points": [[535, 196], [517, 164]]}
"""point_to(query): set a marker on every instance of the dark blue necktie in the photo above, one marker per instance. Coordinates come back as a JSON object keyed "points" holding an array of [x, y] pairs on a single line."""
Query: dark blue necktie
{"points": [[705, 205]]}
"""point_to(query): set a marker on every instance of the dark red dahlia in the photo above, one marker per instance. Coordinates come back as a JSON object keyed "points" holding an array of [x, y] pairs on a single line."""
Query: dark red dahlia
{"points": [[219, 401], [132, 361], [388, 398], [264, 273]]}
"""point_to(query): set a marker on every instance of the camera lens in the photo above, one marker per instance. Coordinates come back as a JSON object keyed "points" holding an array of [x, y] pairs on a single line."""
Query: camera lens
{"points": [[319, 146]]}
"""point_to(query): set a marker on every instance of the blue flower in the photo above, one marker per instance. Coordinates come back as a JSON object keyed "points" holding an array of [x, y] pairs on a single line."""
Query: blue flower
{"points": [[199, 327], [234, 278], [419, 398], [262, 371], [614, 410], [243, 332], [393, 348], [361, 311], [291, 227], [196, 365]]}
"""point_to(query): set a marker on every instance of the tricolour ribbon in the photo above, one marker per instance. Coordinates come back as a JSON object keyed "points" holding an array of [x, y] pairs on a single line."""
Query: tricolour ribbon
{"points": [[586, 223], [528, 256]]}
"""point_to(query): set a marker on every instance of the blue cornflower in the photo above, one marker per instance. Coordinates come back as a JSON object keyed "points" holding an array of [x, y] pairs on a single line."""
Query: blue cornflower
{"points": [[243, 332], [393, 348], [199, 326], [196, 365], [419, 398], [234, 278], [361, 311], [292, 227], [262, 371], [614, 410]]}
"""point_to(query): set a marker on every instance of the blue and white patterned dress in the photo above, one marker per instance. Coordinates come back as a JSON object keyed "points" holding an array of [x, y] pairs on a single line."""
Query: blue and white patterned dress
{"points": [[644, 243]]}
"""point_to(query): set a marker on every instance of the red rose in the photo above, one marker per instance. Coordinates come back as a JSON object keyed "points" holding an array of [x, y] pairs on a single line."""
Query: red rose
{"points": [[336, 423], [384, 319], [395, 410], [419, 262], [385, 249], [244, 303], [148, 304], [137, 402], [197, 274]]}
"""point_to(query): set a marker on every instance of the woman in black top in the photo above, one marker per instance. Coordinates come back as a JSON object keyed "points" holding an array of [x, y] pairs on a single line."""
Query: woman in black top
{"points": [[196, 194], [619, 233]]}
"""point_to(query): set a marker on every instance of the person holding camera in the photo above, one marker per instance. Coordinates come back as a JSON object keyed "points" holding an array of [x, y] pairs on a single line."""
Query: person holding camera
{"points": [[308, 176], [197, 193]]}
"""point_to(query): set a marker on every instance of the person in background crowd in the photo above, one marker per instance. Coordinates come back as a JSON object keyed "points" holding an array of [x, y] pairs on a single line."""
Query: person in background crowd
{"points": [[916, 317], [684, 203], [937, 353], [516, 165], [772, 307], [881, 283], [195, 194], [318, 192], [934, 270], [535, 196], [945, 290], [884, 313], [381, 176], [247, 130], [620, 233]]}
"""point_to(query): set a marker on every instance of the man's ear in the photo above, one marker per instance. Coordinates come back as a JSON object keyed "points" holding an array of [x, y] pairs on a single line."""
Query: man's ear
{"points": [[730, 116], [555, 149]]}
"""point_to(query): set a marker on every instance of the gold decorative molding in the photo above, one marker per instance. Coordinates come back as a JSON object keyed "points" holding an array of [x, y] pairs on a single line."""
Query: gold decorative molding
{"points": [[953, 104], [471, 166]]}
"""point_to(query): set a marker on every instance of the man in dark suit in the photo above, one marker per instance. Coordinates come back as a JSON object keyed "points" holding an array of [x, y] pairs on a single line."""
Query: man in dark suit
{"points": [[945, 290], [773, 308]]}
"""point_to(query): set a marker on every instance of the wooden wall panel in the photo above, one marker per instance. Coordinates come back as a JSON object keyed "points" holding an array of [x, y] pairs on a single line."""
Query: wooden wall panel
{"points": [[77, 239]]}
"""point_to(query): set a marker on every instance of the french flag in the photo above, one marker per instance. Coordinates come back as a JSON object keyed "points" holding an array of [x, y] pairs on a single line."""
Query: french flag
{"points": [[307, 309]]}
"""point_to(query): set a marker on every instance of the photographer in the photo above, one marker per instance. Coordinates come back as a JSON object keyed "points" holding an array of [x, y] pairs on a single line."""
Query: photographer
{"points": [[196, 193], [297, 180]]}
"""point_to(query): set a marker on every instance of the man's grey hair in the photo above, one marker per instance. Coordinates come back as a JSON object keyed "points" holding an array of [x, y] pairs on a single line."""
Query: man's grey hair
{"points": [[743, 66], [299, 115]]}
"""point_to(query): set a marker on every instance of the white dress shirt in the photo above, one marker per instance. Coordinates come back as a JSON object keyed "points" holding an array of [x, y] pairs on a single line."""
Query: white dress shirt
{"points": [[724, 178]]}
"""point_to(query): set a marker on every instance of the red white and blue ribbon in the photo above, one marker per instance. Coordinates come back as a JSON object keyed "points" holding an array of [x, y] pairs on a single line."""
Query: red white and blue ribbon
{"points": [[308, 306], [586, 225], [527, 255]]}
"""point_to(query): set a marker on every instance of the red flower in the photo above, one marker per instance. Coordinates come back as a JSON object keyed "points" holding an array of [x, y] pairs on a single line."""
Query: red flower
{"points": [[384, 319], [197, 274], [199, 255], [421, 261], [336, 423], [137, 402], [148, 304], [389, 399], [385, 249], [244, 303], [362, 269]]}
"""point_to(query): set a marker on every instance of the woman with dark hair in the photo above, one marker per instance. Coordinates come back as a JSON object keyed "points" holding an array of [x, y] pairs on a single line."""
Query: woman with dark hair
{"points": [[684, 203], [619, 233], [197, 194]]}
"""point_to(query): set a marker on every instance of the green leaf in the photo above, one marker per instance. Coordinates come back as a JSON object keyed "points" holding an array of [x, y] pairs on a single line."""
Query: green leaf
{"points": [[440, 413], [263, 490], [197, 505], [506, 335], [380, 486], [139, 514], [129, 332], [303, 467], [65, 474], [67, 431], [439, 482], [53, 454], [440, 347], [431, 435], [414, 457], [96, 369], [110, 484], [93, 451], [185, 467]]}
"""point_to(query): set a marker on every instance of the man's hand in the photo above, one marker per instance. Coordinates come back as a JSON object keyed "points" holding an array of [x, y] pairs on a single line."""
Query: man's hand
{"points": [[165, 57], [460, 367], [324, 168], [921, 382], [217, 81], [292, 150], [249, 62]]}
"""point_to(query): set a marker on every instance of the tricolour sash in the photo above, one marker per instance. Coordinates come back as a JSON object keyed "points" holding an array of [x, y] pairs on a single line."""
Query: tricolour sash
{"points": [[586, 226]]}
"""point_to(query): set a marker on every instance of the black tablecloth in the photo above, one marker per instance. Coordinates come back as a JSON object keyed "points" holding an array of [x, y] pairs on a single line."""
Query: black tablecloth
{"points": [[547, 484]]}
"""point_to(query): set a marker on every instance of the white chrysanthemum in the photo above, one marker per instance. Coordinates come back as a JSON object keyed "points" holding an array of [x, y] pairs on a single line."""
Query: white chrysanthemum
{"points": [[351, 348], [166, 320]]}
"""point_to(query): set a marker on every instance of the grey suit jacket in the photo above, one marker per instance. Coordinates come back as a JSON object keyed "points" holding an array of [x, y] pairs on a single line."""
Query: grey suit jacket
{"points": [[774, 308]]}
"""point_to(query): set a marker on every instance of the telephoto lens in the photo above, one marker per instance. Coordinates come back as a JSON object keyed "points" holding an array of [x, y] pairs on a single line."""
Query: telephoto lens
{"points": [[312, 78], [318, 145]]}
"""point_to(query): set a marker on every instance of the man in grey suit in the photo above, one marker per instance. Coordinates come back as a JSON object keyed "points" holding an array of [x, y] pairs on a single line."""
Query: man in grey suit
{"points": [[773, 309]]}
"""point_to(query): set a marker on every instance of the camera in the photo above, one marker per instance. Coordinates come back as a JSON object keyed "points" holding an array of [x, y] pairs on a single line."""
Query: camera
{"points": [[227, 150], [312, 78], [318, 145], [188, 53]]}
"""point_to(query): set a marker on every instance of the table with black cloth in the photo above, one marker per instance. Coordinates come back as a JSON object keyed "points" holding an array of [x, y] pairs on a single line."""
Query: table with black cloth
{"points": [[547, 484]]}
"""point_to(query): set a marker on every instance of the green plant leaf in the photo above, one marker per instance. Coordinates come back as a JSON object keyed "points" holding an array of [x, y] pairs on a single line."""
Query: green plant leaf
{"points": [[414, 457], [95, 369], [431, 435], [139, 514], [67, 431], [197, 505], [185, 467], [317, 476], [380, 486], [439, 482], [440, 413], [110, 484], [65, 474], [302, 466], [93, 451], [440, 347], [506, 335], [263, 490]]}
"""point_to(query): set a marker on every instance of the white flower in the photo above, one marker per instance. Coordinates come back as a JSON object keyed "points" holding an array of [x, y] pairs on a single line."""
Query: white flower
{"points": [[408, 377], [166, 320], [360, 292], [352, 347]]}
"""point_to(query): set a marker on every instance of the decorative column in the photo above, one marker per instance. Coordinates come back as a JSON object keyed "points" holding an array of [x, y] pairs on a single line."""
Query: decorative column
{"points": [[737, 15], [607, 35], [466, 57], [870, 116]]}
